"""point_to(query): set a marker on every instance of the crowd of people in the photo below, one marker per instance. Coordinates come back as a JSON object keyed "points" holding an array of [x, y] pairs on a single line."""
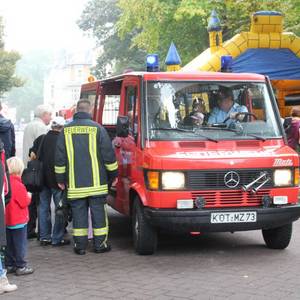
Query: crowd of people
{"points": [[78, 167]]}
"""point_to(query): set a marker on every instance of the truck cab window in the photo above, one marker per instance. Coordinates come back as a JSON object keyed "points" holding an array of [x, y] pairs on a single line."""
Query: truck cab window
{"points": [[131, 108]]}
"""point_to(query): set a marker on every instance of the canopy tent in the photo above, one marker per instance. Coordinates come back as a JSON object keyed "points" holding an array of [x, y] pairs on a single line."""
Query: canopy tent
{"points": [[276, 63]]}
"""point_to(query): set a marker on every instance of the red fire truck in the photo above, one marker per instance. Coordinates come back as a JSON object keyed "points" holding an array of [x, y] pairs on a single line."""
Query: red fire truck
{"points": [[186, 169]]}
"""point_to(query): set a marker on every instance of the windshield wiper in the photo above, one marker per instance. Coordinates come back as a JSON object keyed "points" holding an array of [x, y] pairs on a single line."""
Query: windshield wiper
{"points": [[258, 137], [185, 130], [240, 132], [172, 129]]}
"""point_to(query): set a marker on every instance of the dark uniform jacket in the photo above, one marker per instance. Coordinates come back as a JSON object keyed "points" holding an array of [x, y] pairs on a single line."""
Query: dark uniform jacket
{"points": [[47, 155], [85, 159], [7, 135]]}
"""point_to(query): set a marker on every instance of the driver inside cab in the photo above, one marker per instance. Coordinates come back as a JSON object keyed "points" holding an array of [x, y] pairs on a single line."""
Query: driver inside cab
{"points": [[227, 110]]}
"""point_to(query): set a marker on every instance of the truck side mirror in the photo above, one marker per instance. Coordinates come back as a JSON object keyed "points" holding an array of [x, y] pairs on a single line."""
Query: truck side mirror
{"points": [[122, 126]]}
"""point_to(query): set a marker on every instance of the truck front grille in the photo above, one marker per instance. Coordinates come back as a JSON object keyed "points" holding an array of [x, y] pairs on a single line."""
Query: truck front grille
{"points": [[207, 180], [230, 198]]}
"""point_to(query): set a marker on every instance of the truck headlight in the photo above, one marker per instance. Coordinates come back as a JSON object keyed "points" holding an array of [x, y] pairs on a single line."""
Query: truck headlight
{"points": [[283, 177], [172, 180]]}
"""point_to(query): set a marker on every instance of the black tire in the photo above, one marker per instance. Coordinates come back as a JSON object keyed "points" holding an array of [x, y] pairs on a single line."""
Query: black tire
{"points": [[278, 238], [144, 235]]}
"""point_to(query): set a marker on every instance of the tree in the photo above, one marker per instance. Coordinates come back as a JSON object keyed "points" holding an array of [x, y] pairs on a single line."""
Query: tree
{"points": [[8, 62], [99, 19], [157, 23], [32, 67]]}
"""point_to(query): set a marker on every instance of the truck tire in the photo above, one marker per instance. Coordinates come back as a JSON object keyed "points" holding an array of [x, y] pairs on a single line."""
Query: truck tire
{"points": [[278, 238], [144, 235]]}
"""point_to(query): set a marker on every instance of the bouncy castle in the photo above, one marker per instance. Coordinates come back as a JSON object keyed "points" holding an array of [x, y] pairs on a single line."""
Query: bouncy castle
{"points": [[265, 49]]}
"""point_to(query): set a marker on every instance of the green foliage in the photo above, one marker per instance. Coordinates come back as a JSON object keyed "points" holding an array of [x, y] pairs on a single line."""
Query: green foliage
{"points": [[128, 29], [99, 19], [157, 23], [32, 67], [8, 62]]}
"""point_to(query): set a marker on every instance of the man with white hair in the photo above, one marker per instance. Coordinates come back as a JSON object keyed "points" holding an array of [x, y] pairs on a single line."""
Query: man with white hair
{"points": [[37, 127]]}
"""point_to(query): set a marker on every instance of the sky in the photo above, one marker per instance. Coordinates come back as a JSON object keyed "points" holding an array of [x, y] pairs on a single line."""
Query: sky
{"points": [[43, 24]]}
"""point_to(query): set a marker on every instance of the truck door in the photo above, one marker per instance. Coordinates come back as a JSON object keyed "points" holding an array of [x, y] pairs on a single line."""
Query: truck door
{"points": [[128, 146]]}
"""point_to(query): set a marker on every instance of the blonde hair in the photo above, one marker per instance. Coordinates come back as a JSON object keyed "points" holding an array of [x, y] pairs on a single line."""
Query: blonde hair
{"points": [[15, 166]]}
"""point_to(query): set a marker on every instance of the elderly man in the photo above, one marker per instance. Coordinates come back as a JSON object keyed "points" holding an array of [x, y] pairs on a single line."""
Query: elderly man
{"points": [[37, 127], [226, 109]]}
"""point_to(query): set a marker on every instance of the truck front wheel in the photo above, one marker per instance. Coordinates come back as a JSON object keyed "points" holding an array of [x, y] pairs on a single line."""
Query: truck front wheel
{"points": [[144, 235], [278, 238]]}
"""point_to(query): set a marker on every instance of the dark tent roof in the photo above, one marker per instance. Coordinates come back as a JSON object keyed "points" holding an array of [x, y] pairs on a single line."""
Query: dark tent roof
{"points": [[276, 63]]}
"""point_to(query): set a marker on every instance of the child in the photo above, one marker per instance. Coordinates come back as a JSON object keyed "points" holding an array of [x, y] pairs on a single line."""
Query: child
{"points": [[4, 284], [16, 220]]}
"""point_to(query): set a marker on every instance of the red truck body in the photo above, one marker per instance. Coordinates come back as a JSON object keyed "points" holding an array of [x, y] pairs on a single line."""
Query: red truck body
{"points": [[213, 177]]}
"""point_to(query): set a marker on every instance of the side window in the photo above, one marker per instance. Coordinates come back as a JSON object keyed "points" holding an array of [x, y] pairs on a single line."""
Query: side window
{"points": [[131, 108], [110, 109]]}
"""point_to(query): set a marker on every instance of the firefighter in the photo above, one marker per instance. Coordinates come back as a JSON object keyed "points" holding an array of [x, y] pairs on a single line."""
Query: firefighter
{"points": [[85, 165]]}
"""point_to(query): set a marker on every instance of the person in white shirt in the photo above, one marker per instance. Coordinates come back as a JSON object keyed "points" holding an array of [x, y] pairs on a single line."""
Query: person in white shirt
{"points": [[226, 109]]}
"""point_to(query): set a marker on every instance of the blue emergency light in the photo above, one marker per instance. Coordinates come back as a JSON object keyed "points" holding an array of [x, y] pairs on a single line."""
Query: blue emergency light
{"points": [[226, 63], [152, 63]]}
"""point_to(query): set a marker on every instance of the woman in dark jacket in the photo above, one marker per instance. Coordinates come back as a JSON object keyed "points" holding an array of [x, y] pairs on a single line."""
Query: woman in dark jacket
{"points": [[44, 147]]}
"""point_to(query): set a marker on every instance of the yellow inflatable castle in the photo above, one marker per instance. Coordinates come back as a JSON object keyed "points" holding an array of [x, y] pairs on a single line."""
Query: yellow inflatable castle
{"points": [[265, 49]]}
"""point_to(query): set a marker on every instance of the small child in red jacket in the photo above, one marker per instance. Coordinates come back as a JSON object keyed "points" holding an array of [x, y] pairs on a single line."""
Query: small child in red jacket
{"points": [[16, 216]]}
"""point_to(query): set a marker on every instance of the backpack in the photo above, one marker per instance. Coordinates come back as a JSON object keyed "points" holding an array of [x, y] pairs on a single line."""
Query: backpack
{"points": [[291, 128]]}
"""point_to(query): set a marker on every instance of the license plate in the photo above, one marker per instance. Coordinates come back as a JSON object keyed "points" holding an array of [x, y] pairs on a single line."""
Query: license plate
{"points": [[233, 217]]}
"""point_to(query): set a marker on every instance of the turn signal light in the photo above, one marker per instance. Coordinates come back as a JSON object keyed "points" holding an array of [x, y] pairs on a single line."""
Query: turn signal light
{"points": [[153, 180], [296, 176]]}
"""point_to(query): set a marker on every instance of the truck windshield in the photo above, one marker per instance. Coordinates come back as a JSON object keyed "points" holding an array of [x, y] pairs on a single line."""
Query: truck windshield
{"points": [[209, 111]]}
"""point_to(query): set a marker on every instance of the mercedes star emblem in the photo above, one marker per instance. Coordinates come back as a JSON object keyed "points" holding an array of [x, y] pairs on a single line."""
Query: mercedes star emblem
{"points": [[231, 179]]}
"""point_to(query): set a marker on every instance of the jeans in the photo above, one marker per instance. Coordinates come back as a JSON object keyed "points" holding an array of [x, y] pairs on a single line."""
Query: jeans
{"points": [[45, 216], [2, 272], [33, 206], [16, 247]]}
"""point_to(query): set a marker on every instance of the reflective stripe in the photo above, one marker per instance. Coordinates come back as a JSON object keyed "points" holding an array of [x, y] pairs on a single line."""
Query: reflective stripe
{"points": [[70, 153], [94, 158], [59, 170], [80, 129], [106, 223], [100, 231], [111, 167], [85, 192], [80, 231]]}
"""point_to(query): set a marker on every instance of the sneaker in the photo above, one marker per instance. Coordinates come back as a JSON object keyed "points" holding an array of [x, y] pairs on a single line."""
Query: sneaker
{"points": [[11, 269], [45, 242], [62, 243], [103, 249], [79, 251], [5, 286], [24, 271]]}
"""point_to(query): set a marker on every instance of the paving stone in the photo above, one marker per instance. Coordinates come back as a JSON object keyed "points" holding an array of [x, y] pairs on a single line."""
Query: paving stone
{"points": [[214, 266]]}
